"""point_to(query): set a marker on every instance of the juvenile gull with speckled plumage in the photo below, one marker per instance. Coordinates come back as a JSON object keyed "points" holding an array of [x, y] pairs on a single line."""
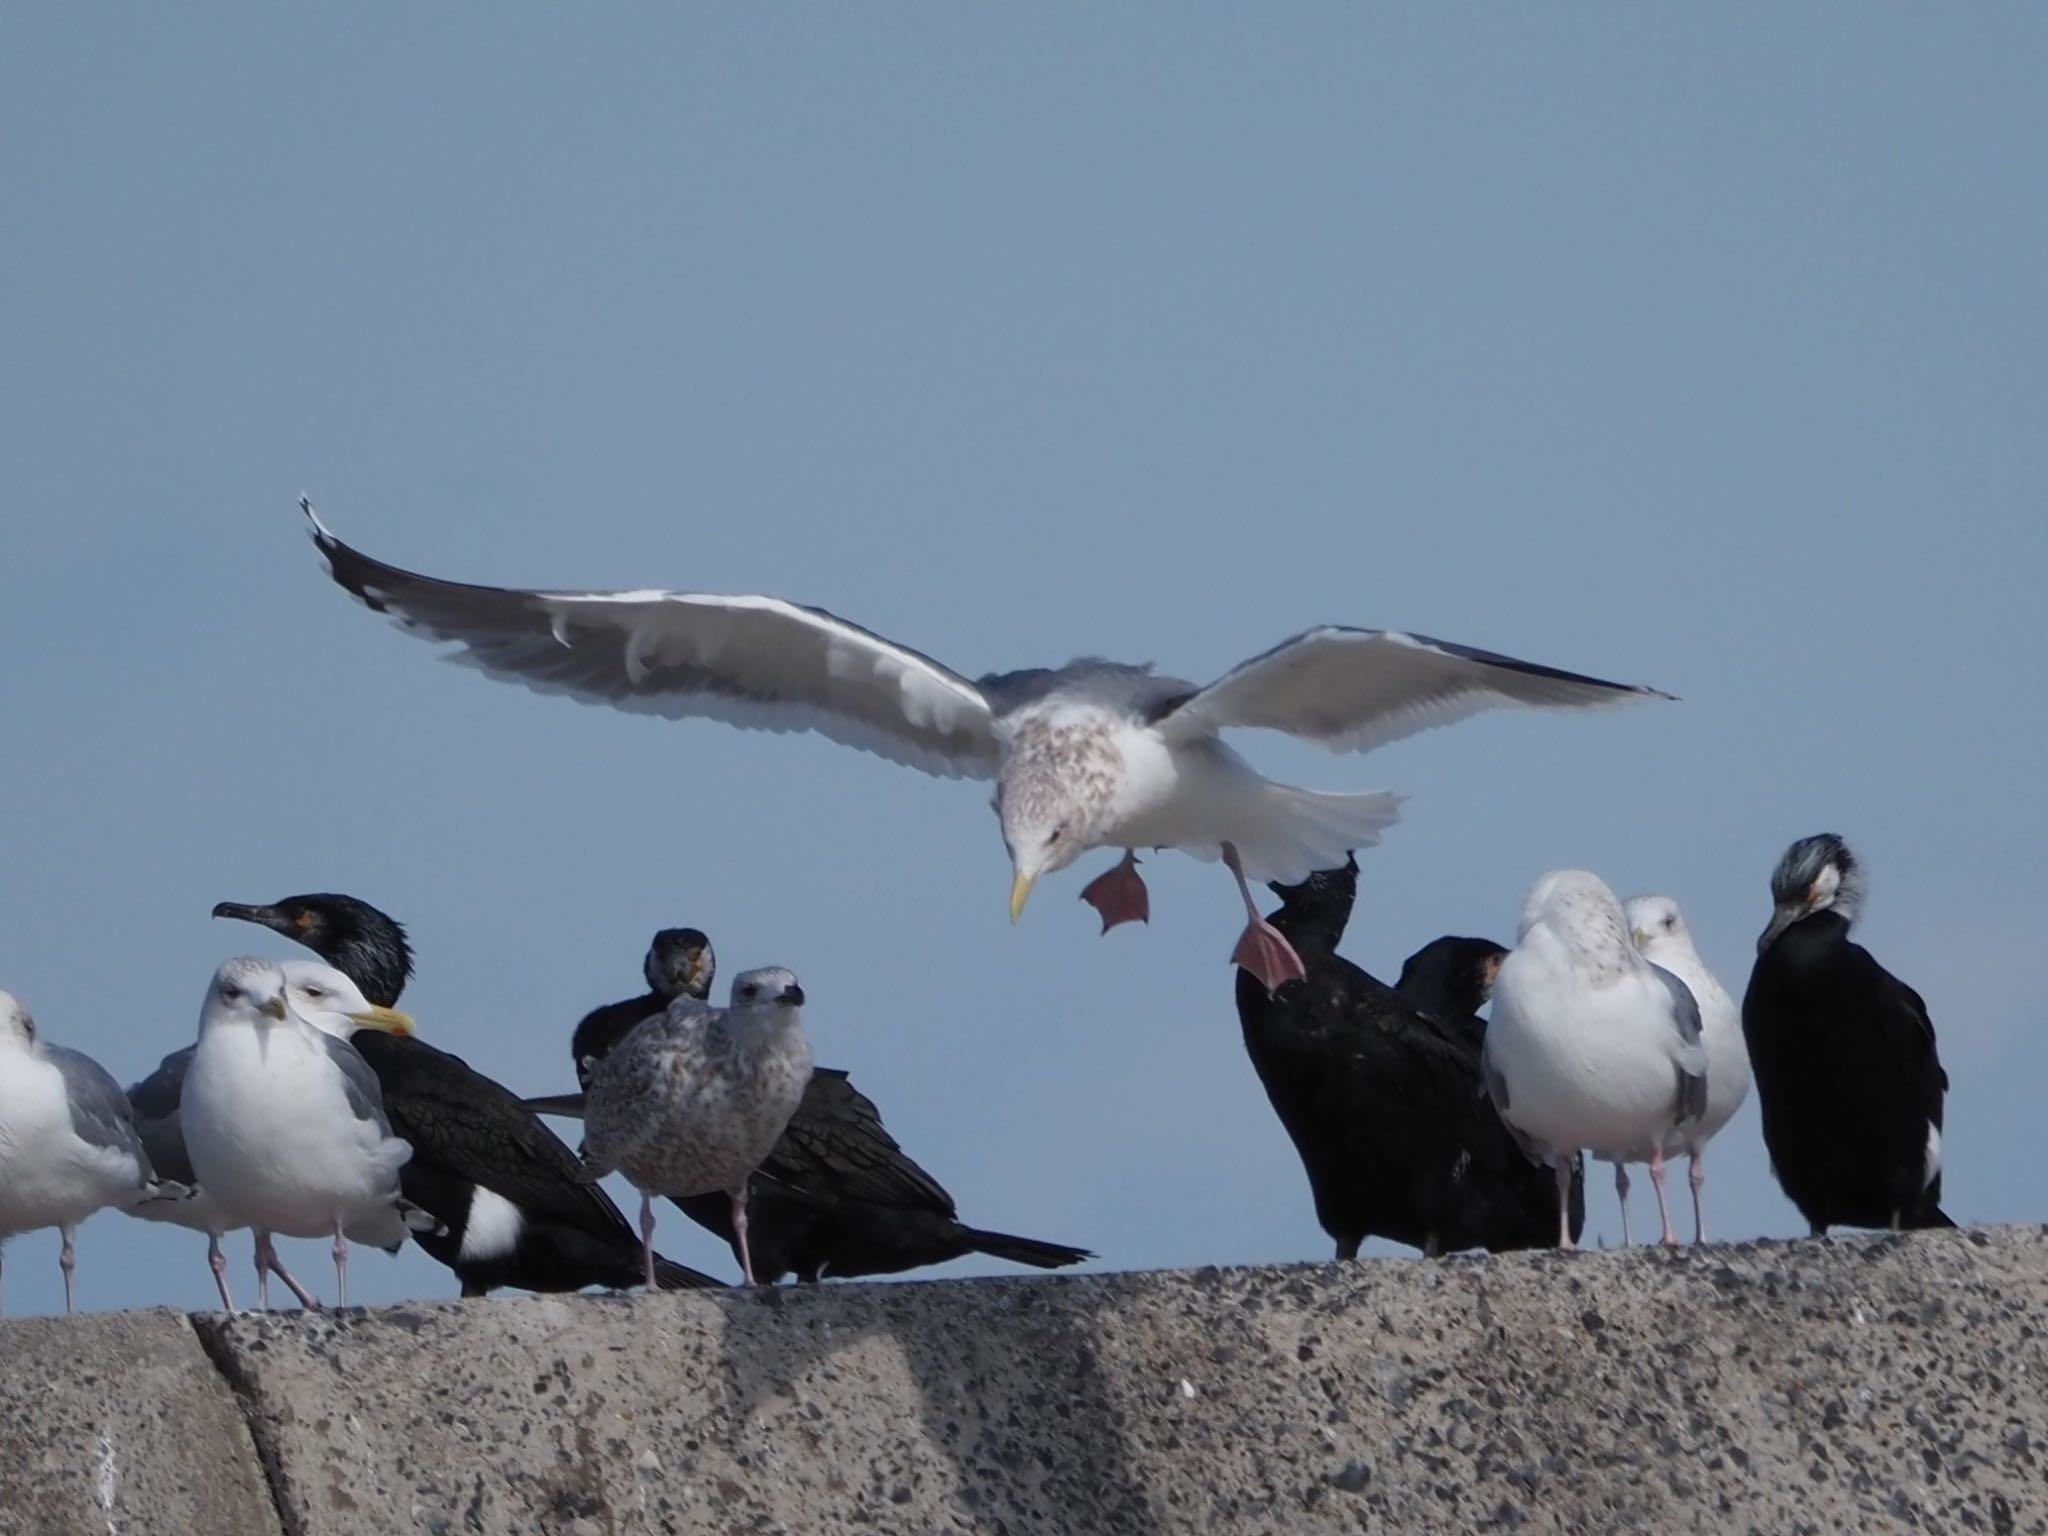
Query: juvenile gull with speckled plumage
{"points": [[1095, 754], [690, 1103]]}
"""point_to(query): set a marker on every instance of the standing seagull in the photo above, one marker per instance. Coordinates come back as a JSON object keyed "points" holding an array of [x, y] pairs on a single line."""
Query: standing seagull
{"points": [[67, 1144], [690, 1103], [1659, 932], [516, 1206], [1591, 1046], [286, 1126], [838, 1196], [1095, 754], [1846, 1070]]}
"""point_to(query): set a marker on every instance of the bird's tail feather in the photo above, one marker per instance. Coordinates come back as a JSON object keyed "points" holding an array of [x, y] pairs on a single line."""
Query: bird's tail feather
{"points": [[1299, 831], [1933, 1217], [680, 1277], [1025, 1250]]}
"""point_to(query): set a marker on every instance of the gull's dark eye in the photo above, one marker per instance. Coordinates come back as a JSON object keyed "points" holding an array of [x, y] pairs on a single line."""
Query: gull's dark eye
{"points": [[1057, 834], [230, 993]]}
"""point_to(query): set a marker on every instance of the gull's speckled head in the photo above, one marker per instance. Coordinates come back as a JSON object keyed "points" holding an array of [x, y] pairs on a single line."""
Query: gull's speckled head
{"points": [[769, 986], [680, 963], [1581, 911], [1054, 794], [1817, 874]]}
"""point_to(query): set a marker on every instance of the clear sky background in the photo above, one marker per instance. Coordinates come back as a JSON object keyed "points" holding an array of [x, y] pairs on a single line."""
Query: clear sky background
{"points": [[1701, 348]]}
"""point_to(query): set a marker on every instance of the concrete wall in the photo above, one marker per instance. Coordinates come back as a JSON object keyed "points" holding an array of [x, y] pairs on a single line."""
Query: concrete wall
{"points": [[1867, 1384]]}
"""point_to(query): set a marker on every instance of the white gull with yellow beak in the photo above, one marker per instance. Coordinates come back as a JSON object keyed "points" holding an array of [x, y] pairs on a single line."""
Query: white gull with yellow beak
{"points": [[1095, 754], [285, 1123]]}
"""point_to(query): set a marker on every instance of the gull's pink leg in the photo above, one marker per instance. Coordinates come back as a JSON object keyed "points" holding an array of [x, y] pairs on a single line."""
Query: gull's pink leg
{"points": [[1670, 1238], [647, 1237], [739, 1227], [1621, 1194], [340, 1265], [218, 1263], [1261, 949], [268, 1264], [1695, 1175], [1119, 894], [1564, 1201], [67, 1260]]}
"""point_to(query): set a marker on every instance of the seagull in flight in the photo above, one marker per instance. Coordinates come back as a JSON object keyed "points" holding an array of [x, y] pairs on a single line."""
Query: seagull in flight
{"points": [[1094, 754]]}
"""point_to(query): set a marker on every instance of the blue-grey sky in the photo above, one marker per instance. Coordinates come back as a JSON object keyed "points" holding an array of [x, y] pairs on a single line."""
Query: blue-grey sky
{"points": [[1696, 348]]}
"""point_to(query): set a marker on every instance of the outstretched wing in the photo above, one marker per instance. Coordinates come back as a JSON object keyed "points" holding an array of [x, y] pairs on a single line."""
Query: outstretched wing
{"points": [[1355, 689], [756, 662]]}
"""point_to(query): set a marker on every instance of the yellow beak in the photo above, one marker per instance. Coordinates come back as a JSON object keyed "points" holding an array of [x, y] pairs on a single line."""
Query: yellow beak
{"points": [[1020, 892], [388, 1020], [275, 1007], [1638, 937]]}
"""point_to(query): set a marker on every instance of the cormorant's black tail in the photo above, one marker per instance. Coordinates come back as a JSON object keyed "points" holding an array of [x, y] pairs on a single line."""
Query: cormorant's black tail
{"points": [[680, 1277], [1024, 1250], [1932, 1218]]}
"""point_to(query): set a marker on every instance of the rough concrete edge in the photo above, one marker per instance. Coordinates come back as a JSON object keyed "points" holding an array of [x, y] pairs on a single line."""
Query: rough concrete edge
{"points": [[255, 1425]]}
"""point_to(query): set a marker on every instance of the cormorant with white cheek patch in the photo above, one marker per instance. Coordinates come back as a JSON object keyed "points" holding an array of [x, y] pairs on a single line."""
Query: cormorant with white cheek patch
{"points": [[1843, 1051], [519, 1208]]}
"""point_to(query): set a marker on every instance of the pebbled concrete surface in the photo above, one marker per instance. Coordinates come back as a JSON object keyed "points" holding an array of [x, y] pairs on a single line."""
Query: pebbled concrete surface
{"points": [[117, 1423], [1860, 1385]]}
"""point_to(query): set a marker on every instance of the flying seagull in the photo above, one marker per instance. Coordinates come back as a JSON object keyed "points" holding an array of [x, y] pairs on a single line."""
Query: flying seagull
{"points": [[1590, 1045], [1847, 1075], [68, 1145], [1094, 754]]}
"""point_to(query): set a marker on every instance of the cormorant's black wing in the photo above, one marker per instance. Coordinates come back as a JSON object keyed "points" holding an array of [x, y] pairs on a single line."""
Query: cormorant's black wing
{"points": [[460, 1121], [836, 1143]]}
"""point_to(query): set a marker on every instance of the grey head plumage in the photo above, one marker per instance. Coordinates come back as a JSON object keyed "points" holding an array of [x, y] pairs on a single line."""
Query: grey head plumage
{"points": [[1816, 874], [767, 986]]}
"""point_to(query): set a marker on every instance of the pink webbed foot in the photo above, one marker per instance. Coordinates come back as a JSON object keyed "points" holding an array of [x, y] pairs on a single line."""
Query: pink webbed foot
{"points": [[1119, 894], [1262, 950]]}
